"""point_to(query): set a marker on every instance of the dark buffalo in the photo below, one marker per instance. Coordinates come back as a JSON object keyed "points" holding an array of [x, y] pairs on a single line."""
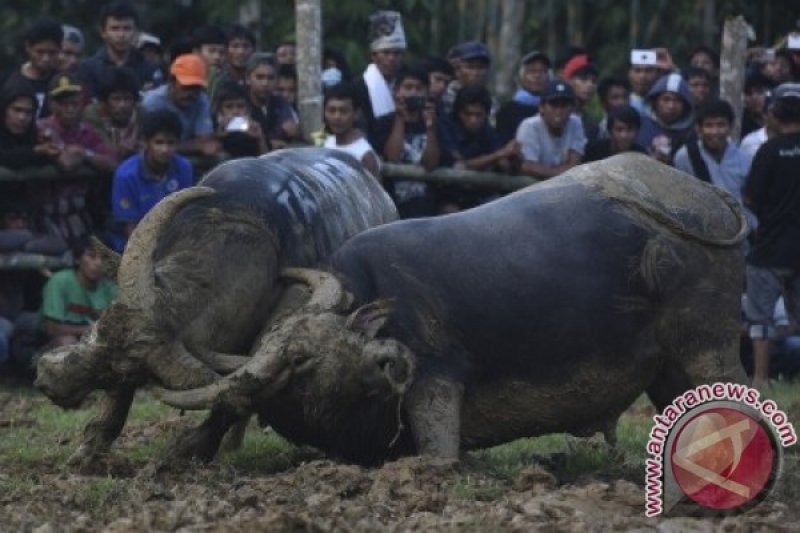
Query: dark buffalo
{"points": [[198, 279], [549, 310]]}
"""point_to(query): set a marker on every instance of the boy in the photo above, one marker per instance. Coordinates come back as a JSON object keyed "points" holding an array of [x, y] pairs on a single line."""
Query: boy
{"points": [[42, 47], [278, 121], [142, 180], [341, 107], [114, 114], [622, 125], [553, 141], [73, 299], [712, 157], [118, 27], [241, 136]]}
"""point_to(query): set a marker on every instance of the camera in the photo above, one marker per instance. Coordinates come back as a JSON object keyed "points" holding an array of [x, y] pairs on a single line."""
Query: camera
{"points": [[415, 103], [237, 124]]}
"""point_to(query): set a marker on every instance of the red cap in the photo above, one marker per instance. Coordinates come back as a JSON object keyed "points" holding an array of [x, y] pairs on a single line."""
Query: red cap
{"points": [[577, 63], [190, 69]]}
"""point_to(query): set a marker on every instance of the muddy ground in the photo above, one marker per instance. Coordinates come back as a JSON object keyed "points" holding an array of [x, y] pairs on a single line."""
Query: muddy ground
{"points": [[312, 493]]}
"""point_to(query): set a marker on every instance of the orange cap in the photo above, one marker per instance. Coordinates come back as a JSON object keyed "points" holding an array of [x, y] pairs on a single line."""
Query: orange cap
{"points": [[190, 69]]}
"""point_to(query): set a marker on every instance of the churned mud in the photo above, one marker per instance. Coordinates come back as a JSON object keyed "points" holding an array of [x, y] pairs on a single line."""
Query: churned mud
{"points": [[311, 493]]}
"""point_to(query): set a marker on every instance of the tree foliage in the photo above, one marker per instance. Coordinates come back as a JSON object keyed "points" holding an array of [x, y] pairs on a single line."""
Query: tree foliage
{"points": [[605, 27]]}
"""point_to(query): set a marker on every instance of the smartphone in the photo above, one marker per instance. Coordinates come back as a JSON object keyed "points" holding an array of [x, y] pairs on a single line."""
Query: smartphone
{"points": [[415, 103], [793, 41], [644, 58], [237, 124]]}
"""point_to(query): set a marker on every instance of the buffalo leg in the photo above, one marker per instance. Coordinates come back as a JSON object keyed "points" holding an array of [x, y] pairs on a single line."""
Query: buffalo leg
{"points": [[434, 407], [202, 442], [103, 430]]}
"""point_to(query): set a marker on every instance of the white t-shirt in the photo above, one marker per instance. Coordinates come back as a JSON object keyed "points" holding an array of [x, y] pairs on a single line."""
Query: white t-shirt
{"points": [[358, 148], [540, 146], [753, 141]]}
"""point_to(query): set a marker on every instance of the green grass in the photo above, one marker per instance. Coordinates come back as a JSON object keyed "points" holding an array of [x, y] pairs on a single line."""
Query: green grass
{"points": [[29, 451]]}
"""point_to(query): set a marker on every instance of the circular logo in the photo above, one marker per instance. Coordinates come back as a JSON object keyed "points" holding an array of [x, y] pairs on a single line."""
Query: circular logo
{"points": [[724, 458], [172, 185]]}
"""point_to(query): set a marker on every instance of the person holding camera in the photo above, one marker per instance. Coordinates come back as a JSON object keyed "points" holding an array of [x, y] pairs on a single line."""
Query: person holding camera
{"points": [[240, 135], [412, 134]]}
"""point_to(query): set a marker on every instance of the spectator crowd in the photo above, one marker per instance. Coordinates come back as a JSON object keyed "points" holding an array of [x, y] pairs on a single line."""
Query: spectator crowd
{"points": [[140, 112]]}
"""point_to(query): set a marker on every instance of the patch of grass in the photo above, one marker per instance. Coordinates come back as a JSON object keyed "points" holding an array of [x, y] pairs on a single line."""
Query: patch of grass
{"points": [[99, 496], [265, 452], [469, 488]]}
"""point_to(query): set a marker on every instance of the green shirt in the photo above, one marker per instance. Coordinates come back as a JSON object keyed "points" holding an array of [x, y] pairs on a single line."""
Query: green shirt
{"points": [[65, 301]]}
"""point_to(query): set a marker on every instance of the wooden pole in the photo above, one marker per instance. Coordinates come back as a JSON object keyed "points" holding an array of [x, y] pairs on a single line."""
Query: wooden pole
{"points": [[309, 64], [732, 68], [507, 49]]}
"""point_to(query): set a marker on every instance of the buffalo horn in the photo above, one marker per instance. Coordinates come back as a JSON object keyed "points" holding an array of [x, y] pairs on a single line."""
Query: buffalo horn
{"points": [[178, 369], [328, 293], [136, 268], [266, 373], [111, 259]]}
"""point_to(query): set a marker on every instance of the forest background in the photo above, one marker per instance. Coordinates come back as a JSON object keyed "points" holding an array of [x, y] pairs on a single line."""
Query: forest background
{"points": [[607, 28]]}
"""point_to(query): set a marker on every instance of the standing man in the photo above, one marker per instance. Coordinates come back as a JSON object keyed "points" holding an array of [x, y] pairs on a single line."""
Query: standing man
{"points": [[42, 47], [118, 22], [642, 74], [772, 191], [387, 44], [534, 73], [185, 95]]}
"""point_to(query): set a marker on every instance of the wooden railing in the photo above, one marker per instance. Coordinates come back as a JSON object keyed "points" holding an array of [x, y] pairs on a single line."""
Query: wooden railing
{"points": [[390, 172]]}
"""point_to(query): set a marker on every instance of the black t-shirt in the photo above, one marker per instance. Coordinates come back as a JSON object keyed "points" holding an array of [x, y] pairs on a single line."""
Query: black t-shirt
{"points": [[508, 118], [94, 69], [601, 148], [39, 88], [773, 191]]}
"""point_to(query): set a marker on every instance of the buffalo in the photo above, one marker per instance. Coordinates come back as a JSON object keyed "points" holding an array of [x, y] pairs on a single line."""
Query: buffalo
{"points": [[549, 310], [198, 279]]}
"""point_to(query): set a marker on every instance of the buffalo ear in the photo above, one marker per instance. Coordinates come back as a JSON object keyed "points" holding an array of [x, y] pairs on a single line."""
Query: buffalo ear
{"points": [[370, 318]]}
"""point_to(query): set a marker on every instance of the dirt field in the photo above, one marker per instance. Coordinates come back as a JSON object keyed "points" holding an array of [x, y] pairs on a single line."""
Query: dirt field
{"points": [[273, 486]]}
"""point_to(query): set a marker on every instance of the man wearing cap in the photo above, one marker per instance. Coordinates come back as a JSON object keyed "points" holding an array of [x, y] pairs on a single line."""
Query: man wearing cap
{"points": [[67, 208], [534, 73], [772, 191], [642, 74], [185, 95], [582, 75], [80, 143], [387, 48], [472, 68], [118, 23], [553, 141]]}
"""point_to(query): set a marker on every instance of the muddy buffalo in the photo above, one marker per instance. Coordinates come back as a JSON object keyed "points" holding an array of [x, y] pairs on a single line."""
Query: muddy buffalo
{"points": [[198, 278], [549, 310]]}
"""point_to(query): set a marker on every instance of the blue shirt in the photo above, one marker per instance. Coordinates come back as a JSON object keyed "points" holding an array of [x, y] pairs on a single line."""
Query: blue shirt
{"points": [[135, 190], [196, 120]]}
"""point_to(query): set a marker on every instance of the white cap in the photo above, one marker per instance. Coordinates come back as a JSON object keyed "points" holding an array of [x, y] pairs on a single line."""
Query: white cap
{"points": [[386, 31]]}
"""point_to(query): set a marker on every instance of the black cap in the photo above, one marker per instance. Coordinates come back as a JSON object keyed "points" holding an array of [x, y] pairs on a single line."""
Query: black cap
{"points": [[473, 50], [558, 89], [536, 55]]}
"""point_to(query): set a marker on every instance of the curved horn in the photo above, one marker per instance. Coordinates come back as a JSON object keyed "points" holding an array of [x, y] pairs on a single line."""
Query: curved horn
{"points": [[224, 363], [178, 369], [135, 275], [111, 259], [328, 293], [264, 375]]}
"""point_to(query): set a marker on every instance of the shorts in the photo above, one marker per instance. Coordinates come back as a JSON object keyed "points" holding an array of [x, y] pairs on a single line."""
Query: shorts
{"points": [[764, 287]]}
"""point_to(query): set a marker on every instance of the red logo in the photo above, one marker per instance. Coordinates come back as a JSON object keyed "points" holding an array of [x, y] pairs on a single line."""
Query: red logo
{"points": [[723, 458]]}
